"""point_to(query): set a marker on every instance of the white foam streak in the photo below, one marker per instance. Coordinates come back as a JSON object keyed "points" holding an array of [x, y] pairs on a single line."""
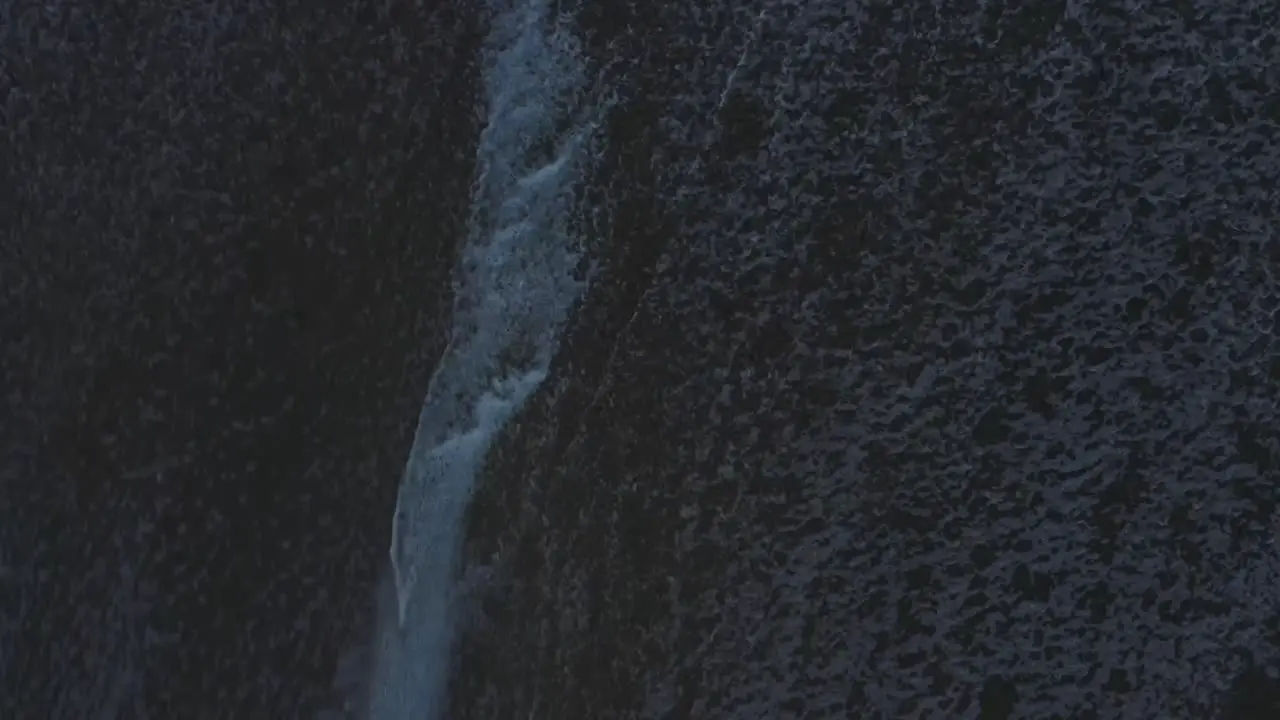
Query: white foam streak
{"points": [[513, 290]]}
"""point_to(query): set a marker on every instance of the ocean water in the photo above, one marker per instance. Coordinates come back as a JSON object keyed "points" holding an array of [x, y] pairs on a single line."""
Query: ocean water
{"points": [[666, 360]]}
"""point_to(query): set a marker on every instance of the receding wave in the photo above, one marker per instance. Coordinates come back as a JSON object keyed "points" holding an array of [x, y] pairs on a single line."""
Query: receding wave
{"points": [[514, 285]]}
